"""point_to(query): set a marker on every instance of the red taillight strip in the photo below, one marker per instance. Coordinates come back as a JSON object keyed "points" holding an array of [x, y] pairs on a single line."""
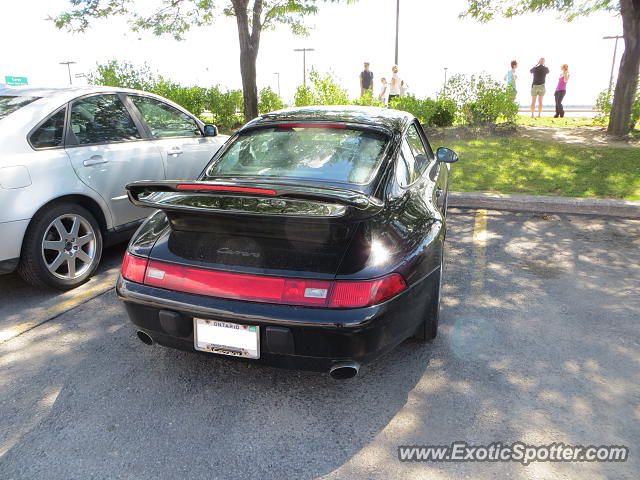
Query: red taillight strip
{"points": [[277, 290], [134, 268], [309, 125], [226, 188]]}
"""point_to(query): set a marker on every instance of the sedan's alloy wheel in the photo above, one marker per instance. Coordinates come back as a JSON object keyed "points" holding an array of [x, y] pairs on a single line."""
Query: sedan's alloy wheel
{"points": [[69, 246]]}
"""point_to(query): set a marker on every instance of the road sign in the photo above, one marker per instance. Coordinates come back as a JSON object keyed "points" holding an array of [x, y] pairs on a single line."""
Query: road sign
{"points": [[16, 81]]}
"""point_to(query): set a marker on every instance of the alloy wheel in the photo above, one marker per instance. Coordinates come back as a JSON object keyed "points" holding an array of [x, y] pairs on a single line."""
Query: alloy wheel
{"points": [[69, 246]]}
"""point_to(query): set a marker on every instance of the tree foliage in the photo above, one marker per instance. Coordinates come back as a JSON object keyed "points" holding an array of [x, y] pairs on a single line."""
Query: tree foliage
{"points": [[486, 10], [176, 17]]}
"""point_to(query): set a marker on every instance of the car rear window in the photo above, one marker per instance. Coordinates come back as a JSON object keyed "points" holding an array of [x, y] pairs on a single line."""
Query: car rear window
{"points": [[10, 103], [333, 153]]}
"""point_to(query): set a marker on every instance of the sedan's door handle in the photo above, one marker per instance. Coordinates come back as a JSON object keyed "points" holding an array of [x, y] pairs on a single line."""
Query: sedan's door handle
{"points": [[175, 151], [95, 160]]}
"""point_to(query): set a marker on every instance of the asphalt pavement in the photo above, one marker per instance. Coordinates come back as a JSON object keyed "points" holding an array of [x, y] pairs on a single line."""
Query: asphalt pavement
{"points": [[538, 343]]}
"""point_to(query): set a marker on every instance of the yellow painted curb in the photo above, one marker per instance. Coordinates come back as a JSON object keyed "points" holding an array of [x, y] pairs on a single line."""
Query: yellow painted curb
{"points": [[59, 308]]}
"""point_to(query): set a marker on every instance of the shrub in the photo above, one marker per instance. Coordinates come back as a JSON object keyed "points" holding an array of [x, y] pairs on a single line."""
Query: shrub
{"points": [[304, 96], [269, 101], [225, 107], [481, 100], [604, 103], [327, 90], [430, 113], [193, 99], [423, 110], [123, 74], [323, 91], [444, 112], [368, 100]]}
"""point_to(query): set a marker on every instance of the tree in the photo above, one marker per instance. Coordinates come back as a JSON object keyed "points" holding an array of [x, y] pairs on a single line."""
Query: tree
{"points": [[627, 84], [176, 17]]}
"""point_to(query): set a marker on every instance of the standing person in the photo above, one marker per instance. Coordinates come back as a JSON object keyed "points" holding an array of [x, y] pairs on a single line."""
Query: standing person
{"points": [[396, 84], [512, 77], [366, 79], [561, 91], [538, 88], [384, 91]]}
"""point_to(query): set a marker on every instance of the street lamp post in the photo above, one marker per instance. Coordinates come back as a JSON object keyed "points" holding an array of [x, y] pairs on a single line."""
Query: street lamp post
{"points": [[68, 64], [397, 28], [615, 52], [278, 74], [304, 62], [445, 80]]}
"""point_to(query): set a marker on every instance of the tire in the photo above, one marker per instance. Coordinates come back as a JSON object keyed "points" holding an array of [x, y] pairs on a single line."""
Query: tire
{"points": [[428, 330], [61, 248]]}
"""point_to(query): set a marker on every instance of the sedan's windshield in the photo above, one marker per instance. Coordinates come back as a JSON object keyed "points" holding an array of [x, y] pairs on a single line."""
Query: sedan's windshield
{"points": [[332, 153], [10, 104]]}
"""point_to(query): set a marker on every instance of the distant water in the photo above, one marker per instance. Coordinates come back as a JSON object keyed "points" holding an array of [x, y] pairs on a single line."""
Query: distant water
{"points": [[577, 111]]}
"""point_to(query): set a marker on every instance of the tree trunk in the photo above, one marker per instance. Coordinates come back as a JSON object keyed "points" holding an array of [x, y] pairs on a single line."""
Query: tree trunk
{"points": [[249, 43], [627, 84]]}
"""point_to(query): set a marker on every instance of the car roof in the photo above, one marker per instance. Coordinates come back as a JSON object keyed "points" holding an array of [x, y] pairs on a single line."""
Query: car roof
{"points": [[61, 93], [390, 119]]}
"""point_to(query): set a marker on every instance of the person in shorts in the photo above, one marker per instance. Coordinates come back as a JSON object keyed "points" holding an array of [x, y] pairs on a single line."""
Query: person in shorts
{"points": [[396, 84], [540, 72]]}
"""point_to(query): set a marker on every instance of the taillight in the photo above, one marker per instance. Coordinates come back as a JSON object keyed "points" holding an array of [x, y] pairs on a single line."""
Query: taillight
{"points": [[237, 286], [364, 294], [286, 291], [133, 268]]}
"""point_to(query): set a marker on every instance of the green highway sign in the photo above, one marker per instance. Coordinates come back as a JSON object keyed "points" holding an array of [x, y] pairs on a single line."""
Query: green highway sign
{"points": [[16, 80]]}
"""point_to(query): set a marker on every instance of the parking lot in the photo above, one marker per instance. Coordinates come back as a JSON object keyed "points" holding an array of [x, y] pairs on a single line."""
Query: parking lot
{"points": [[538, 343]]}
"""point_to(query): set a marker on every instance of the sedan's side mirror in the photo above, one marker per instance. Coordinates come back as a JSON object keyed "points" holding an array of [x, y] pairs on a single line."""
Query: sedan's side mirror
{"points": [[210, 130], [446, 155]]}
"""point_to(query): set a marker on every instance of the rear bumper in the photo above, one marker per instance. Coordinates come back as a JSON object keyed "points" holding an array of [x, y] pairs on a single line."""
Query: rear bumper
{"points": [[293, 337]]}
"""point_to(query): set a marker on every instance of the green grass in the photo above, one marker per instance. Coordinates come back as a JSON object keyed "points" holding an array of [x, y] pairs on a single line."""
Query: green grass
{"points": [[556, 122], [534, 167]]}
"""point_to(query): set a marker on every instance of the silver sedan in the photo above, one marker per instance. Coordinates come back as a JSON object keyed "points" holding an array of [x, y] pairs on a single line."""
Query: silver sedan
{"points": [[65, 157]]}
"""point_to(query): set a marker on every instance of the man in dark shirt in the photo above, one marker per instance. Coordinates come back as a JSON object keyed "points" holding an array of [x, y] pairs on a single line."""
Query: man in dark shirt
{"points": [[366, 79], [538, 89]]}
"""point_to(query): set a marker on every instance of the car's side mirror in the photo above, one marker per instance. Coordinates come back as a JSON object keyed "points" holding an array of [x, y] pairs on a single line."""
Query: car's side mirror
{"points": [[210, 130], [446, 155]]}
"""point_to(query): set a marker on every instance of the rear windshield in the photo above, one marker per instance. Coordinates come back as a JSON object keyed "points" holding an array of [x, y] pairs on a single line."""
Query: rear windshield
{"points": [[10, 104], [326, 153]]}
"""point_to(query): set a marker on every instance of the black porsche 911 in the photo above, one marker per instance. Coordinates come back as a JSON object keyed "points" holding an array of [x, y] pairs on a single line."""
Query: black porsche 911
{"points": [[312, 240]]}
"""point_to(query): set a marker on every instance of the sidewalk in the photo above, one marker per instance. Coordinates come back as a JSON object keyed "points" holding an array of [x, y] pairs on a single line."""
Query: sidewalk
{"points": [[530, 203]]}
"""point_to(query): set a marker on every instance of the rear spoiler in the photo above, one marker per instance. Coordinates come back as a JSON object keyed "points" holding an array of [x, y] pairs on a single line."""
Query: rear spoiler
{"points": [[251, 198]]}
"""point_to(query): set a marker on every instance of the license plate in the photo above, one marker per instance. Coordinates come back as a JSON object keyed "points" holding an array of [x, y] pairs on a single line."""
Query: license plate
{"points": [[226, 338]]}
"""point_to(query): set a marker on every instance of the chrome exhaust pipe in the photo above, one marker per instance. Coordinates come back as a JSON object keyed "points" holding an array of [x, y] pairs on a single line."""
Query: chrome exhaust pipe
{"points": [[344, 370], [144, 337]]}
